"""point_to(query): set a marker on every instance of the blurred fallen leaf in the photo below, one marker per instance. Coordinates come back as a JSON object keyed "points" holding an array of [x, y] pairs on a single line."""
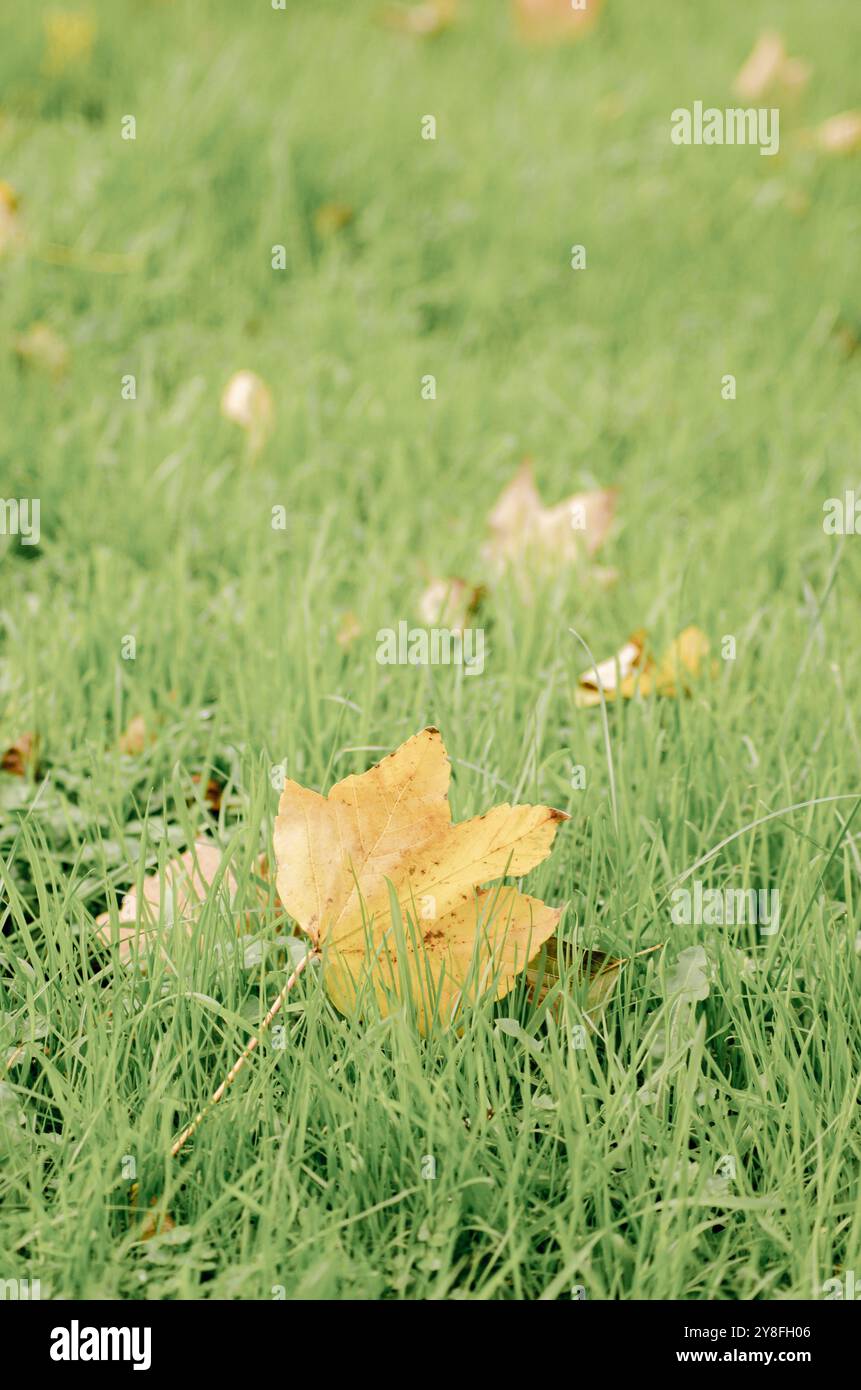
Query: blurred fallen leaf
{"points": [[632, 671], [612, 107], [176, 899], [797, 202], [424, 21], [69, 38], [156, 1222], [554, 21], [616, 671], [349, 629], [40, 346], [847, 336], [332, 218], [533, 538], [840, 134], [381, 846], [11, 233], [22, 756], [601, 971], [247, 401], [135, 737], [212, 791], [768, 67], [449, 603]]}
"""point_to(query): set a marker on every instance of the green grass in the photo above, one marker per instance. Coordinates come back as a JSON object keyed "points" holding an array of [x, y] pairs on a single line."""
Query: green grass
{"points": [[555, 1167]]}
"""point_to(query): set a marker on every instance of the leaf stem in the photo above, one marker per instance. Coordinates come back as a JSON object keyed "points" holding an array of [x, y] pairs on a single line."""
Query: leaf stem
{"points": [[244, 1054]]}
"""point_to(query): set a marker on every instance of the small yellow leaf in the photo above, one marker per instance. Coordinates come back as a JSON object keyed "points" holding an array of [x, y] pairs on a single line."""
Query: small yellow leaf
{"points": [[632, 671], [11, 233], [331, 218], [685, 657], [247, 401], [389, 830], [69, 39], [156, 1223], [554, 21]]}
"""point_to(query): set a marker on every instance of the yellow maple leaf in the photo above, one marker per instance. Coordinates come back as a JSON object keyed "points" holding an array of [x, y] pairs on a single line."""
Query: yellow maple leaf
{"points": [[632, 671], [389, 890]]}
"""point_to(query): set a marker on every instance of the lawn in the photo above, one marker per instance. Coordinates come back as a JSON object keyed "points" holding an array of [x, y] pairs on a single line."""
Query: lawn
{"points": [[699, 1137]]}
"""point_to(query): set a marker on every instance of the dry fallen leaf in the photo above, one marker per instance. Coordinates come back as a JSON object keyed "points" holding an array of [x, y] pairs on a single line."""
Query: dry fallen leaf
{"points": [[337, 856], [847, 336], [69, 39], [616, 670], [601, 970], [41, 347], [840, 134], [247, 401], [769, 67], [11, 234], [213, 790], [450, 603], [135, 737], [533, 538], [21, 756], [424, 21], [632, 671], [552, 21], [156, 1222], [173, 900], [331, 218], [349, 628]]}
